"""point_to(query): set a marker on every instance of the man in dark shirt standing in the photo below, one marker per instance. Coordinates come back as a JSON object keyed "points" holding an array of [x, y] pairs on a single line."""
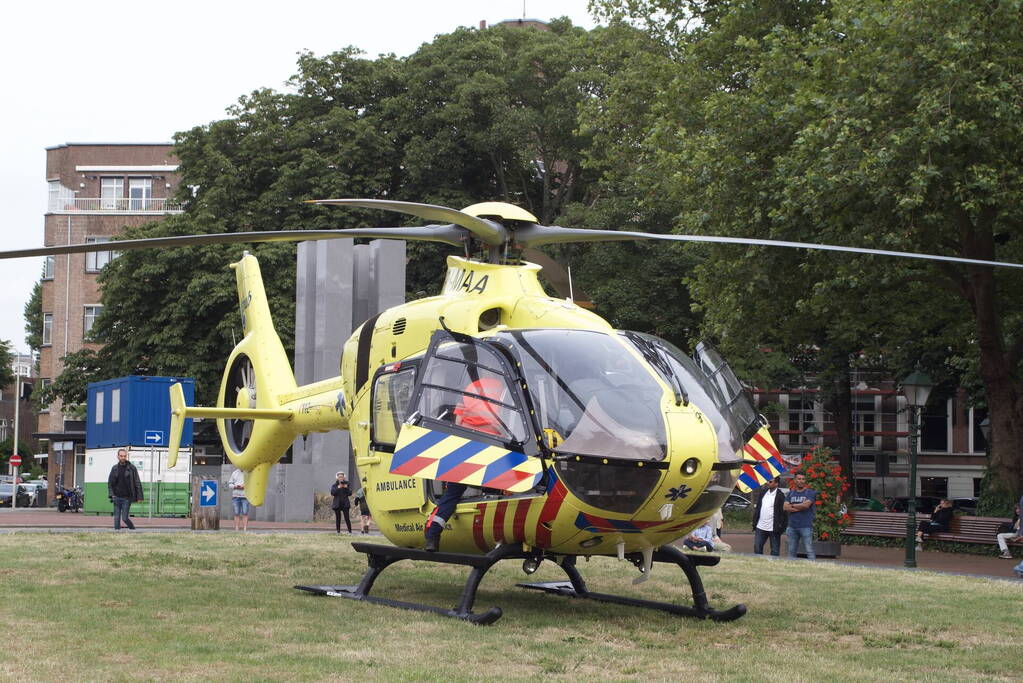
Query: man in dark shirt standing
{"points": [[769, 518], [124, 488]]}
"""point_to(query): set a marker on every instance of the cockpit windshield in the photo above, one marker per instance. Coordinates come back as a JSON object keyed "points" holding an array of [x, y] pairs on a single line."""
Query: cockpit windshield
{"points": [[704, 382], [592, 396]]}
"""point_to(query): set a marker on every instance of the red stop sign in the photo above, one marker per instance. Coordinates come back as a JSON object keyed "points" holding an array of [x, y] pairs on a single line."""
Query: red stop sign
{"points": [[15, 460]]}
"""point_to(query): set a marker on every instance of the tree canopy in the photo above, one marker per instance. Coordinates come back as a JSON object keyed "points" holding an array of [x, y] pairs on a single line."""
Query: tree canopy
{"points": [[472, 116], [859, 122]]}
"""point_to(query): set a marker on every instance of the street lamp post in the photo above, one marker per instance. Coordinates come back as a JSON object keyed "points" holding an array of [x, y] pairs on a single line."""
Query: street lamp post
{"points": [[812, 433], [916, 388]]}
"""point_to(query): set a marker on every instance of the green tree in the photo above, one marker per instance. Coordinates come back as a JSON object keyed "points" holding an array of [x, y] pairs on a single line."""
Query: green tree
{"points": [[473, 116], [862, 123], [6, 359], [34, 318]]}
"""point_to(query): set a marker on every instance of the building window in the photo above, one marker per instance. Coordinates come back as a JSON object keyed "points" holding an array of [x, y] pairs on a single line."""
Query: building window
{"points": [[934, 487], [978, 444], [140, 194], [95, 260], [59, 198], [99, 407], [115, 405], [90, 317], [48, 266], [111, 192], [43, 383], [936, 426], [865, 418], [47, 329], [802, 412], [863, 488]]}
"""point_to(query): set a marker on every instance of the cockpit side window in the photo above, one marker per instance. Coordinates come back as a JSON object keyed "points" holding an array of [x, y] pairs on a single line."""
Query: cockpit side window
{"points": [[467, 387], [392, 392]]}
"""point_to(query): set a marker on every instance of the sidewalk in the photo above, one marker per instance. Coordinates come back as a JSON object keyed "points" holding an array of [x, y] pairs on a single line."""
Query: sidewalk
{"points": [[871, 556], [29, 519], [49, 518]]}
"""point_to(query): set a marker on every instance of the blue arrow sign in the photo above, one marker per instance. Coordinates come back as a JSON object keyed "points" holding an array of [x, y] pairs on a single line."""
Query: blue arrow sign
{"points": [[153, 437], [208, 493]]}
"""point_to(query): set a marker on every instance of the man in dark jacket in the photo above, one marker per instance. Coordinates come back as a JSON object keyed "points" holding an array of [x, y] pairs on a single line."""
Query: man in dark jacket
{"points": [[341, 490], [769, 518], [124, 488]]}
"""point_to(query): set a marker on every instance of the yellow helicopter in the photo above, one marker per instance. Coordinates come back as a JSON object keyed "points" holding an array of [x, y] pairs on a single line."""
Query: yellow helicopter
{"points": [[546, 433]]}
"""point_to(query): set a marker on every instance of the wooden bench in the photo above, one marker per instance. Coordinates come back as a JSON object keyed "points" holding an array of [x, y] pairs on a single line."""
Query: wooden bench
{"points": [[964, 529]]}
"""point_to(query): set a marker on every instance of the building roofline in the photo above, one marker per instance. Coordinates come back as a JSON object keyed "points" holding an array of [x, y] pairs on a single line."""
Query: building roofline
{"points": [[110, 144]]}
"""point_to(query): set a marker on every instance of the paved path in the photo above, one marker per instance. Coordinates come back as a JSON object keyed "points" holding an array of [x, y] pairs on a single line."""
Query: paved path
{"points": [[48, 519], [927, 560]]}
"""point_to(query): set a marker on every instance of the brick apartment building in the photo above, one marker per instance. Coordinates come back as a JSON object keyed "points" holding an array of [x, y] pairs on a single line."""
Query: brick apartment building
{"points": [[94, 191]]}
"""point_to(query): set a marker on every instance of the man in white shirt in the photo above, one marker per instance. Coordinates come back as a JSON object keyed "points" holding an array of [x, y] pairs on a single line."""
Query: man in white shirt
{"points": [[239, 502], [769, 518]]}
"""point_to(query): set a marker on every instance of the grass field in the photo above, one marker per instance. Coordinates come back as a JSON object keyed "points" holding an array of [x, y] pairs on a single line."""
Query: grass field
{"points": [[221, 606]]}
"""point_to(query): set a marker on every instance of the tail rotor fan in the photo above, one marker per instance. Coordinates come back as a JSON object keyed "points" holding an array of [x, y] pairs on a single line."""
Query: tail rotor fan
{"points": [[240, 388]]}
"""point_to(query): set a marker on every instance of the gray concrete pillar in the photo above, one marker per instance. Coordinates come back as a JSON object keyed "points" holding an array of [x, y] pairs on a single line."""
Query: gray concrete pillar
{"points": [[339, 285]]}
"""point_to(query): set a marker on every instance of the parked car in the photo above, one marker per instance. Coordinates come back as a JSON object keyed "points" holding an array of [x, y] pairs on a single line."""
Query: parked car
{"points": [[924, 504], [736, 502], [965, 506], [870, 504], [7, 492], [33, 488]]}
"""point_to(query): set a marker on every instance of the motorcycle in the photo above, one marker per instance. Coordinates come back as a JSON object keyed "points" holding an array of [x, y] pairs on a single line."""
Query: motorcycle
{"points": [[68, 499]]}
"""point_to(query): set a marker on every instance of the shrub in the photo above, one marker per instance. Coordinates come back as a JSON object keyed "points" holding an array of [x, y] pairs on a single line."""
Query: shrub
{"points": [[825, 477]]}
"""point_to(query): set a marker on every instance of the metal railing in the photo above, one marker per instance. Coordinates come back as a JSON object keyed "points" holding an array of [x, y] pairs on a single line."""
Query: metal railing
{"points": [[114, 205]]}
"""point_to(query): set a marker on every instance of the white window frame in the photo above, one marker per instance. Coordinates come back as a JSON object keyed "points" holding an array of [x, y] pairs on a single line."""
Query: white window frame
{"points": [[49, 266], [99, 407], [799, 418], [111, 192], [115, 404], [96, 260], [140, 194], [47, 338], [91, 312], [43, 383], [866, 442]]}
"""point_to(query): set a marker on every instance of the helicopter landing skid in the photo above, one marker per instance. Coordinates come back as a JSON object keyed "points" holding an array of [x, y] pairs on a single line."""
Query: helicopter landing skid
{"points": [[575, 587], [380, 557]]}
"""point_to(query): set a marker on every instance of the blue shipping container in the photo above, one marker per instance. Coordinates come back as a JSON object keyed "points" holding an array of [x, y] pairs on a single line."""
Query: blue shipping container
{"points": [[134, 411]]}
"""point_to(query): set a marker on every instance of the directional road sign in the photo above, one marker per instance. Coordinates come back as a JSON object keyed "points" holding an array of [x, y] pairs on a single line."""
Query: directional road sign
{"points": [[154, 437], [208, 493]]}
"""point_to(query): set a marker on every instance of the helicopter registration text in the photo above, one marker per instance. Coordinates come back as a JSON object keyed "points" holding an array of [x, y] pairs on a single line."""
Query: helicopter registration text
{"points": [[466, 280]]}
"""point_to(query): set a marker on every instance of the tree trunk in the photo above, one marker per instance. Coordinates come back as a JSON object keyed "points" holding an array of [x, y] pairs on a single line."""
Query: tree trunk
{"points": [[843, 426], [1004, 400]]}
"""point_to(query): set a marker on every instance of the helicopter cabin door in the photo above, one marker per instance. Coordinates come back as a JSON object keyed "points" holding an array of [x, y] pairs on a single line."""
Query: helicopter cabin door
{"points": [[468, 422]]}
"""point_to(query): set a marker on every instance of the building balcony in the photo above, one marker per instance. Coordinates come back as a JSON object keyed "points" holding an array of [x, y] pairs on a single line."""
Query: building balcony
{"points": [[104, 205]]}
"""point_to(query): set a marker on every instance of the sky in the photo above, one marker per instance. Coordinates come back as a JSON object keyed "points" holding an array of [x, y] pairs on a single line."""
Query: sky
{"points": [[139, 72]]}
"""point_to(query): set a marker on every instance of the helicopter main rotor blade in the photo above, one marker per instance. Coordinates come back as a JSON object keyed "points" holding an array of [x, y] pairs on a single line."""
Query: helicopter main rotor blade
{"points": [[557, 275], [448, 234], [536, 235], [490, 232]]}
